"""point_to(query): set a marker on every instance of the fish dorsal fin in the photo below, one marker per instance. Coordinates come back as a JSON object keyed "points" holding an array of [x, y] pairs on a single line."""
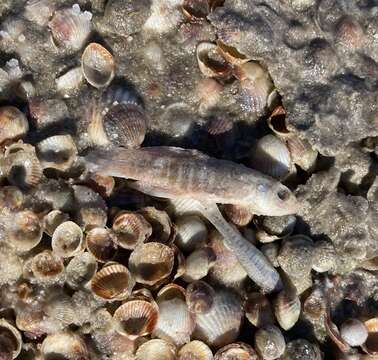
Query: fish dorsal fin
{"points": [[175, 152]]}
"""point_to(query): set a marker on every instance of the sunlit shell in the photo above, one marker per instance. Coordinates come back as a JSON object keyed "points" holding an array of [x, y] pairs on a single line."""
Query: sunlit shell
{"points": [[24, 230], [101, 244], [31, 320], [137, 317], [68, 83], [199, 297], [57, 152], [67, 239], [258, 310], [231, 54], [47, 266], [13, 124], [156, 349], [64, 345], [80, 270], [70, 28], [113, 282], [52, 220], [238, 215], [131, 229], [236, 351], [302, 152], [271, 156], [46, 112], [195, 350], [39, 11], [210, 62], [10, 340], [353, 332], [269, 342], [176, 323], [198, 264], [220, 326], [11, 198], [151, 262], [191, 232]]}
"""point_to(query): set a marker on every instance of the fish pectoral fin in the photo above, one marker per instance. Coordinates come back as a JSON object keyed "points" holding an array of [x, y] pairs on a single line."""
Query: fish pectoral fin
{"points": [[152, 190]]}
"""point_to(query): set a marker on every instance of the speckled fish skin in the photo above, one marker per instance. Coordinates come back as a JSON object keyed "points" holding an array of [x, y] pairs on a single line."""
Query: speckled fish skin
{"points": [[172, 172]]}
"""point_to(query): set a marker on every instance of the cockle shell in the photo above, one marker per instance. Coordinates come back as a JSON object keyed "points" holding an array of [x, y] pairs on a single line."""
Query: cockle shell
{"points": [[47, 266], [52, 220], [237, 351], [101, 244], [97, 65], [191, 232], [324, 257], [208, 92], [302, 349], [10, 340], [13, 124], [80, 270], [231, 54], [302, 152], [46, 112], [199, 297], [156, 349], [68, 83], [238, 215], [210, 62], [270, 343], [353, 332], [67, 239], [197, 350], [198, 264], [258, 310]]}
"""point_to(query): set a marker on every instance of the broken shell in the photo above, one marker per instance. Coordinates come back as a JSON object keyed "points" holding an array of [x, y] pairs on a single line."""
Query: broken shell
{"points": [[231, 54], [302, 152], [197, 350], [151, 262], [236, 351], [220, 326], [324, 257], [57, 152], [176, 323], [47, 266], [70, 28], [237, 214], [80, 270], [131, 229], [198, 264], [258, 310], [52, 220], [191, 232], [25, 230], [69, 83], [13, 124], [271, 156], [113, 282], [10, 341], [65, 345], [137, 317], [101, 244], [270, 343], [199, 297], [353, 332], [97, 65], [209, 61], [67, 239], [156, 349]]}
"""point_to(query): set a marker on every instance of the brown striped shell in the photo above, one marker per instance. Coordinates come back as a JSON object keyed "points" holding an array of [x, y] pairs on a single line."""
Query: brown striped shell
{"points": [[101, 244], [13, 124]]}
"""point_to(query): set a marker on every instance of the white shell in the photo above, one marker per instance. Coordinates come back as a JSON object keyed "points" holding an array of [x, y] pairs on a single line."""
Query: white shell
{"points": [[68, 83], [198, 264], [156, 349], [67, 239], [191, 232], [353, 332], [197, 350]]}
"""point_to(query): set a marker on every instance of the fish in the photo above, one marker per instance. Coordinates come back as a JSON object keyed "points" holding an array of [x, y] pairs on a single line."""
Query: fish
{"points": [[204, 182]]}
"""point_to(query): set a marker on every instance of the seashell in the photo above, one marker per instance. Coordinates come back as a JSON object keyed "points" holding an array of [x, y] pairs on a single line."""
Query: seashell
{"points": [[31, 319], [65, 345], [302, 349], [237, 214], [80, 270], [277, 123], [46, 112], [10, 267], [176, 323], [191, 232], [258, 310], [287, 305], [353, 332], [60, 308], [231, 54], [57, 152], [324, 257], [46, 266], [24, 230], [220, 326], [333, 331], [101, 244], [70, 28], [102, 184], [69, 83], [97, 65], [179, 265], [236, 351], [210, 63], [39, 11], [131, 229], [272, 228], [255, 86], [154, 56], [10, 341], [269, 342], [113, 282], [137, 317], [52, 220], [370, 346], [199, 297], [271, 251], [13, 124], [151, 262], [156, 349], [314, 306], [67, 239], [271, 156], [198, 264], [11, 198], [196, 349], [208, 92], [349, 33], [196, 10], [302, 153]]}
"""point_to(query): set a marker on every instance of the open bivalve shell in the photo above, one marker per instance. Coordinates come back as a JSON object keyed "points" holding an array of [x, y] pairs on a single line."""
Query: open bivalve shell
{"points": [[10, 341], [210, 62], [156, 349]]}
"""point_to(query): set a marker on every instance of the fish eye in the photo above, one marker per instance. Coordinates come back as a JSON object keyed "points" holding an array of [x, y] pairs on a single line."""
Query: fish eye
{"points": [[283, 194]]}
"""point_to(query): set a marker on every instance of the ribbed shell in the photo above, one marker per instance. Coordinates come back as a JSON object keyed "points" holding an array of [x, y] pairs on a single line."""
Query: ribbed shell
{"points": [[101, 244], [131, 229], [258, 310], [269, 342], [67, 239], [113, 282], [137, 318], [80, 270], [10, 340], [156, 349], [210, 62], [69, 83], [199, 297], [302, 152], [97, 65], [46, 265], [231, 54], [198, 264], [13, 124], [236, 351], [238, 215], [151, 262], [195, 350], [219, 125], [52, 220], [191, 232], [39, 11], [220, 326]]}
